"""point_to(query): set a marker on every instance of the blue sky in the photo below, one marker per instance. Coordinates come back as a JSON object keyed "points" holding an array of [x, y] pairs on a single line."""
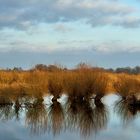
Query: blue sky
{"points": [[100, 32]]}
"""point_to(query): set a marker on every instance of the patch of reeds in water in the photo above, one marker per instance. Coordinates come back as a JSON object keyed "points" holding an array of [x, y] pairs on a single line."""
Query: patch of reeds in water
{"points": [[128, 88], [86, 84]]}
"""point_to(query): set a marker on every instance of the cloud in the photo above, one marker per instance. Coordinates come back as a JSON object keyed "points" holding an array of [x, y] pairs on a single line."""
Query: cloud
{"points": [[62, 28], [125, 21], [115, 46], [104, 47], [75, 46], [24, 14]]}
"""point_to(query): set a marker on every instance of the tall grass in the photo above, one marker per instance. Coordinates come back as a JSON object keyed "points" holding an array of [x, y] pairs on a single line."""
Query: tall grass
{"points": [[73, 85], [55, 85], [81, 83], [85, 84], [127, 86], [36, 83], [101, 84]]}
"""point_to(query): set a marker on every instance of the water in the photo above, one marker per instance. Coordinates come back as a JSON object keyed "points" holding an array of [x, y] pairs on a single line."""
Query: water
{"points": [[66, 120]]}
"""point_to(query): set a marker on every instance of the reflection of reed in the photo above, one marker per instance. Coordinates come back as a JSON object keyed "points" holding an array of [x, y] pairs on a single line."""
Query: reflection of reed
{"points": [[87, 122], [56, 117], [126, 111], [84, 116], [17, 109], [6, 112], [72, 113], [36, 117], [101, 116]]}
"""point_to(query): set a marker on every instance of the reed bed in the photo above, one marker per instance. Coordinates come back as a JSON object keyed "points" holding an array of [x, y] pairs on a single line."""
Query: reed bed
{"points": [[79, 83], [55, 85], [127, 86], [85, 84], [129, 89]]}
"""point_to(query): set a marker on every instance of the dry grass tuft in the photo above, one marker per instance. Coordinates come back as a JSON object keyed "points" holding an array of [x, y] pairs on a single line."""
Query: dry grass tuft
{"points": [[55, 84], [127, 86]]}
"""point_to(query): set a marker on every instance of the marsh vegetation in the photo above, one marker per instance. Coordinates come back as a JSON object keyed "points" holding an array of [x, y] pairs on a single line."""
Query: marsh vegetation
{"points": [[129, 89], [82, 83], [83, 109]]}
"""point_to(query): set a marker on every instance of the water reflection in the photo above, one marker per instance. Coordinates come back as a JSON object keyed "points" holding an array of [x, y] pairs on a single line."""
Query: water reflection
{"points": [[36, 116], [85, 116], [127, 111], [81, 115], [6, 111], [101, 116], [56, 117], [17, 109]]}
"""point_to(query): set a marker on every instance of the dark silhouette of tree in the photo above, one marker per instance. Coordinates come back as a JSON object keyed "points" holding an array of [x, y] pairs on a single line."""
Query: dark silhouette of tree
{"points": [[41, 67]]}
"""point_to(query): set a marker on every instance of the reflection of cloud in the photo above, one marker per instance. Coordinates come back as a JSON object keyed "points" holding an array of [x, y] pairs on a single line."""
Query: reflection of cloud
{"points": [[24, 14], [12, 131], [15, 131], [116, 132]]}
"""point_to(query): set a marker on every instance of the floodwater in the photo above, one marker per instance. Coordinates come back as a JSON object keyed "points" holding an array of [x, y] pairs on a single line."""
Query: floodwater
{"points": [[69, 120]]}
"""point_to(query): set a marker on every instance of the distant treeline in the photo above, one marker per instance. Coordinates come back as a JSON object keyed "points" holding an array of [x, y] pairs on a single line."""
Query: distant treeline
{"points": [[56, 67], [129, 70]]}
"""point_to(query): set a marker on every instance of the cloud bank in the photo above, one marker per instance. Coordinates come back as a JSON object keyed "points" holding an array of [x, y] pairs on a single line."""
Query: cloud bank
{"points": [[22, 14], [69, 31]]}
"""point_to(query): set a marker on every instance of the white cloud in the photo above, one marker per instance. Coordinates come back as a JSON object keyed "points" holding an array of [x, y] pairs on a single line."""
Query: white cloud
{"points": [[74, 46], [23, 14]]}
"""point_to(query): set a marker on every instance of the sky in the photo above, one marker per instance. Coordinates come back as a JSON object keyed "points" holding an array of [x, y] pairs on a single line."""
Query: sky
{"points": [[102, 33]]}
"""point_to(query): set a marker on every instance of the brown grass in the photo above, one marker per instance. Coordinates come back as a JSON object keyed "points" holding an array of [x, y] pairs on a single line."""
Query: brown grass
{"points": [[85, 83], [126, 86], [82, 83], [55, 84]]}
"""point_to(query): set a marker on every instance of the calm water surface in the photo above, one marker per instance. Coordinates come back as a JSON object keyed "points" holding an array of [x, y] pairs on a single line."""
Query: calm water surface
{"points": [[65, 120]]}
